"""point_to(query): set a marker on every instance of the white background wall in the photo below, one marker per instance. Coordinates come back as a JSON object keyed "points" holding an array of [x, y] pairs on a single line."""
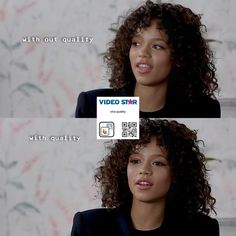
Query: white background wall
{"points": [[43, 183], [44, 79]]}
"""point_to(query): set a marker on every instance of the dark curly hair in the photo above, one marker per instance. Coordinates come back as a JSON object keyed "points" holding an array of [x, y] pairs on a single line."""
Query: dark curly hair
{"points": [[193, 71], [190, 191]]}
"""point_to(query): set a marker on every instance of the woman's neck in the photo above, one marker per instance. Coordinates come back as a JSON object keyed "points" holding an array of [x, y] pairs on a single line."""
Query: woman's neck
{"points": [[147, 216], [151, 98]]}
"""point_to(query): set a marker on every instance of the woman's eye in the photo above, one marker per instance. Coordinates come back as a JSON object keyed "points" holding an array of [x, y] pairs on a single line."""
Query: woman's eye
{"points": [[158, 163], [157, 46], [134, 161]]}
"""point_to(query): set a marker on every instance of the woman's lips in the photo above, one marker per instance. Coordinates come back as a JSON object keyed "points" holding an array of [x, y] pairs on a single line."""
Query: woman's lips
{"points": [[144, 184], [143, 68]]}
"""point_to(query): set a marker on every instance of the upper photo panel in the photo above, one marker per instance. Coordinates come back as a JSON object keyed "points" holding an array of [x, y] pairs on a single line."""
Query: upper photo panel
{"points": [[59, 56]]}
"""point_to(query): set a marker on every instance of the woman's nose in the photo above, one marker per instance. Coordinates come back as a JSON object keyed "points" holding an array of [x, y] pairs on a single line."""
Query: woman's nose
{"points": [[144, 51], [145, 170]]}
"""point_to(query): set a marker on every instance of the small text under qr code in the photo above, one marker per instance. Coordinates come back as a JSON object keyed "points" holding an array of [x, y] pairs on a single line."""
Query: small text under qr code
{"points": [[129, 129]]}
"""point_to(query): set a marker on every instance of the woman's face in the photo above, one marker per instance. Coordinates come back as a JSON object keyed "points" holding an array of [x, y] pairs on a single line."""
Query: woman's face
{"points": [[150, 56], [149, 173]]}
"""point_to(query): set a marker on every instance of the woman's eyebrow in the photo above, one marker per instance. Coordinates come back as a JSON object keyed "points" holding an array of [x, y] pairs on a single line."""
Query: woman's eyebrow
{"points": [[163, 156], [159, 156], [159, 39]]}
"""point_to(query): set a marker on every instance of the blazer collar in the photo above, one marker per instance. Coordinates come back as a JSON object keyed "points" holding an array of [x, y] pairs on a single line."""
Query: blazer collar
{"points": [[123, 222]]}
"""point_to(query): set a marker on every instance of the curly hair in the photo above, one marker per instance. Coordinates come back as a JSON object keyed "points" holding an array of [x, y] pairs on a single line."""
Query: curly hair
{"points": [[190, 191], [193, 70]]}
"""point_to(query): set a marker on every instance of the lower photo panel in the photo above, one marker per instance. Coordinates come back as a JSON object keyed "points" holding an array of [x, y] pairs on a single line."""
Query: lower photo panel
{"points": [[48, 167]]}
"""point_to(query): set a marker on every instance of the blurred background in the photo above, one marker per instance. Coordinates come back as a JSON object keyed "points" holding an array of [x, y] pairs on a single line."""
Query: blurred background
{"points": [[47, 168], [43, 79]]}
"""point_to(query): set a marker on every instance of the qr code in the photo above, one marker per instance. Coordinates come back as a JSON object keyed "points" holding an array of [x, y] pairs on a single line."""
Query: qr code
{"points": [[129, 129]]}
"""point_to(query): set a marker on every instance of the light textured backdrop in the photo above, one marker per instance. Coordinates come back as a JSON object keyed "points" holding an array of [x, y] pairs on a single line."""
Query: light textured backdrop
{"points": [[44, 79], [43, 183]]}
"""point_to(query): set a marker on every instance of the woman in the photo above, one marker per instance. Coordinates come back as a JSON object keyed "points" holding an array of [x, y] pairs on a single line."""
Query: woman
{"points": [[160, 55], [156, 185]]}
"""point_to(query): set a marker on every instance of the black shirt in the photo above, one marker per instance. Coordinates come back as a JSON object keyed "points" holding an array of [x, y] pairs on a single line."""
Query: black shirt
{"points": [[201, 107], [116, 222]]}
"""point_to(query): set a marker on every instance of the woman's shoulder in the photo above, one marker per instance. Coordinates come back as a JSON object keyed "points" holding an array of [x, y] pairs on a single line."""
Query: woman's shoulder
{"points": [[210, 106], [97, 215], [204, 223], [201, 107], [203, 218], [93, 222], [194, 225], [109, 92], [93, 213], [99, 92], [209, 101]]}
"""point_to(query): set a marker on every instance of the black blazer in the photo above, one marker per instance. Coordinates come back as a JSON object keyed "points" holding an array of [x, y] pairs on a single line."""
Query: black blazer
{"points": [[204, 107], [117, 222]]}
